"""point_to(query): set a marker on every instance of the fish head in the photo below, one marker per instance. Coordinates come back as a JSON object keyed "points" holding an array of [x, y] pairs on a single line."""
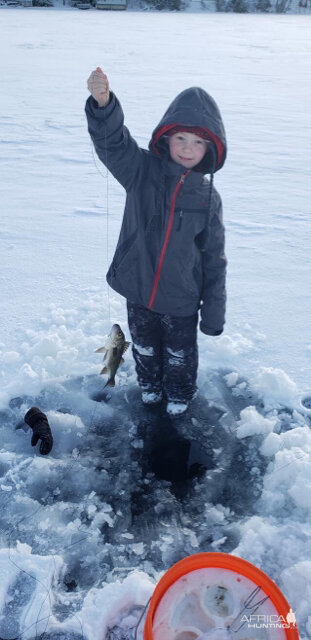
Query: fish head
{"points": [[116, 334]]}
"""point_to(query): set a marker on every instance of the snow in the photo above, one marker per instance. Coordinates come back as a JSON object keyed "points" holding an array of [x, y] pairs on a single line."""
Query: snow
{"points": [[144, 351], [253, 423], [275, 387], [176, 408], [80, 553]]}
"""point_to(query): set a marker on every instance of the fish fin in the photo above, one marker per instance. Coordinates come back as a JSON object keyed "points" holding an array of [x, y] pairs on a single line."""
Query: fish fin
{"points": [[104, 370], [110, 383], [126, 346], [100, 350], [122, 361]]}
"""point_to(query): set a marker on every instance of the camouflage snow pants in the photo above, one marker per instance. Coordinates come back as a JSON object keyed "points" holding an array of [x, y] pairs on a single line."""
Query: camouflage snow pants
{"points": [[165, 352]]}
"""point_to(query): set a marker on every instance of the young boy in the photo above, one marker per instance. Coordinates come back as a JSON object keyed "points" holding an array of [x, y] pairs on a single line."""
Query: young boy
{"points": [[169, 261]]}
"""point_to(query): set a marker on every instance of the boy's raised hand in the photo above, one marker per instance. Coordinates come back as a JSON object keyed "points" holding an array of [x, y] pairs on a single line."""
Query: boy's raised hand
{"points": [[98, 85]]}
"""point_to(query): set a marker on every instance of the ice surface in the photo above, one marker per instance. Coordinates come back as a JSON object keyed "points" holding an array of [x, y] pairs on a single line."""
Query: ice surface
{"points": [[26, 591], [96, 523]]}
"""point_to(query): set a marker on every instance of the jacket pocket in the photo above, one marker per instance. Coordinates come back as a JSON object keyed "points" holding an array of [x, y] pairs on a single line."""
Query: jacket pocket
{"points": [[185, 212], [124, 278], [123, 250]]}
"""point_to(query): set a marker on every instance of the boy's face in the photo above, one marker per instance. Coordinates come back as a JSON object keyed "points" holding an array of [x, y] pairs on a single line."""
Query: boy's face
{"points": [[187, 148]]}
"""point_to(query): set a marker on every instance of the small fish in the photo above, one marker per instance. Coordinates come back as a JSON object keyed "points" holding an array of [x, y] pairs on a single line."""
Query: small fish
{"points": [[114, 348]]}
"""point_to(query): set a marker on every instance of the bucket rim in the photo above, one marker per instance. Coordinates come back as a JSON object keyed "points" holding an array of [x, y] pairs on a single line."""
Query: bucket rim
{"points": [[218, 560]]}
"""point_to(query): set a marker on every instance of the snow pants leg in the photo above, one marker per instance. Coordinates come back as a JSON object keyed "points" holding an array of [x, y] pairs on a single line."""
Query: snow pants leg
{"points": [[180, 357], [165, 352], [145, 329]]}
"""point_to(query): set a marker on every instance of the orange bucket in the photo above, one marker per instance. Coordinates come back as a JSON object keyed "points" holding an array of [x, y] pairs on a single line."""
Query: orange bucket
{"points": [[262, 589]]}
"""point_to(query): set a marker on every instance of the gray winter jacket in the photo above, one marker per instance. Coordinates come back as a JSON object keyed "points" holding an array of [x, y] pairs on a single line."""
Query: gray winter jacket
{"points": [[170, 253]]}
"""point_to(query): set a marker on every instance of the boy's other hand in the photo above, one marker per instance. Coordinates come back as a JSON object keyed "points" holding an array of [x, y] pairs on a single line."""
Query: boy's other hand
{"points": [[98, 85]]}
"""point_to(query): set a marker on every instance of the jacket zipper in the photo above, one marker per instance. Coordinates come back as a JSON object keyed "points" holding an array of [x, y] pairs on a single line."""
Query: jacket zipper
{"points": [[166, 239], [181, 213]]}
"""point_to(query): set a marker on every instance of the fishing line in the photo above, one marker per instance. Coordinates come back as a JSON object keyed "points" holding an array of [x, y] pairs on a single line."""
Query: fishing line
{"points": [[107, 216], [67, 468], [106, 177], [287, 464], [48, 593], [140, 619]]}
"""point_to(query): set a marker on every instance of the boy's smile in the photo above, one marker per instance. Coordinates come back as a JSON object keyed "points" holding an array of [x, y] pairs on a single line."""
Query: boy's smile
{"points": [[187, 148]]}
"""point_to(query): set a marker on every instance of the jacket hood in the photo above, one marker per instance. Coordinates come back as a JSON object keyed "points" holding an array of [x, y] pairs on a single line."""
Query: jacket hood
{"points": [[194, 108]]}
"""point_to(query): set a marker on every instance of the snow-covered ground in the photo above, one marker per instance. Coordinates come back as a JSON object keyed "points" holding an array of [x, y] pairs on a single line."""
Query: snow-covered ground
{"points": [[76, 523]]}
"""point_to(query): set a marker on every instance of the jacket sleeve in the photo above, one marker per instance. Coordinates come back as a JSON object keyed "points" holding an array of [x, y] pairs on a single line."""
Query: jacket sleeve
{"points": [[113, 142], [214, 275]]}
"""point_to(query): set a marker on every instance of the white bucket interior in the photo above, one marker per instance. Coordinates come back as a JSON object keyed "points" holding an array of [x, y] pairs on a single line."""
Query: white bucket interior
{"points": [[209, 604]]}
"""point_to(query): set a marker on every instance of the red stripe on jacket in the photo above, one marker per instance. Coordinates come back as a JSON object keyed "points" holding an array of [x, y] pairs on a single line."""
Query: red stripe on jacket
{"points": [[166, 239]]}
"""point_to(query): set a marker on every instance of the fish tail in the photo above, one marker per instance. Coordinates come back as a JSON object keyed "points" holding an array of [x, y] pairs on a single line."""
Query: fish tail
{"points": [[110, 383]]}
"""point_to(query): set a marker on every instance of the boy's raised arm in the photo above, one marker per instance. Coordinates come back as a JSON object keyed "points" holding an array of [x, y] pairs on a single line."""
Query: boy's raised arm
{"points": [[113, 142]]}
